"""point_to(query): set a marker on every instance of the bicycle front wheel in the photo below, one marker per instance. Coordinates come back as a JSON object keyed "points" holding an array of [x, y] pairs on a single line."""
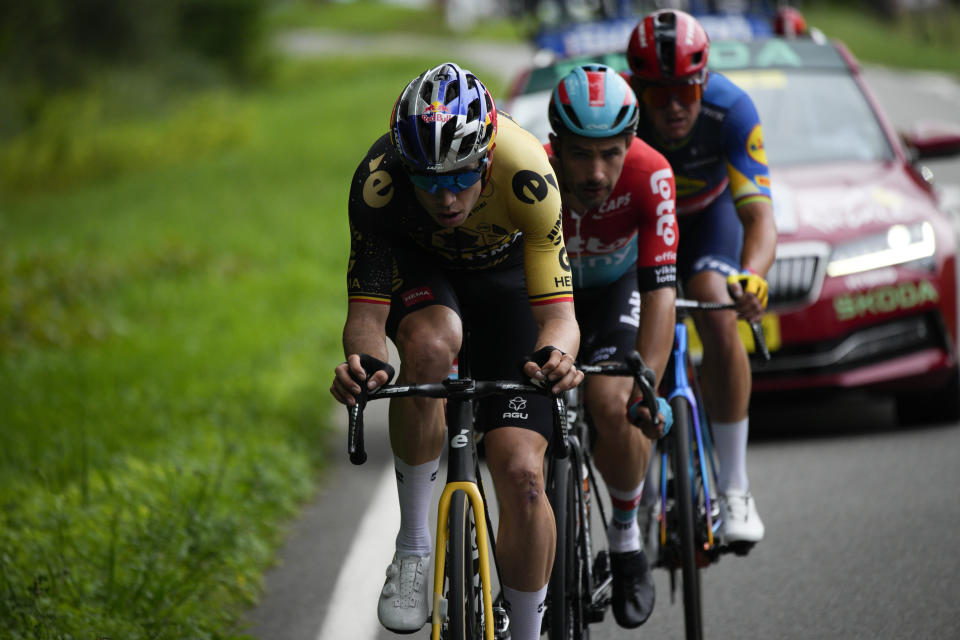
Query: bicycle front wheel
{"points": [[567, 590], [686, 522], [464, 607]]}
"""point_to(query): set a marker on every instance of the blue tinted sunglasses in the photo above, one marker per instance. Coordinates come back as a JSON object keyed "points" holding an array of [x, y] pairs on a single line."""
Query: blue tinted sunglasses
{"points": [[452, 182]]}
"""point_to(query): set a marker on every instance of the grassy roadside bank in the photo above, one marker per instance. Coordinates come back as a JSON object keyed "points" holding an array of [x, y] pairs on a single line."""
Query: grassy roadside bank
{"points": [[166, 338]]}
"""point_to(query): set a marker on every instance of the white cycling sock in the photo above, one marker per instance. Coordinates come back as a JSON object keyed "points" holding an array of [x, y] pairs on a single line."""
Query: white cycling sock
{"points": [[415, 490], [730, 439], [525, 610], [623, 534]]}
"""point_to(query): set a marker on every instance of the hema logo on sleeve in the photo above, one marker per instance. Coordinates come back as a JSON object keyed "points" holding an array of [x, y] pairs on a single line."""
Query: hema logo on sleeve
{"points": [[517, 405]]}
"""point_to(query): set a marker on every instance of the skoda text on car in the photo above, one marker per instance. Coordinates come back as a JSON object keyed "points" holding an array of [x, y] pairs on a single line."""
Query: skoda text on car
{"points": [[863, 292]]}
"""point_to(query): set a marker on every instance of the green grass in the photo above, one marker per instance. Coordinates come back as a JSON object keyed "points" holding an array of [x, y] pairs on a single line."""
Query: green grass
{"points": [[922, 42], [167, 338], [373, 17]]}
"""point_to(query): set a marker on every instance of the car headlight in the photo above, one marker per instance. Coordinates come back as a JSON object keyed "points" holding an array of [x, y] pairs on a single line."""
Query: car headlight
{"points": [[901, 243]]}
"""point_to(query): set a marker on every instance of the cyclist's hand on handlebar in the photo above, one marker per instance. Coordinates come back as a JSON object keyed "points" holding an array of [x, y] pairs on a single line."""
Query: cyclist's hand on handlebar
{"points": [[638, 414], [549, 365], [358, 369], [749, 292]]}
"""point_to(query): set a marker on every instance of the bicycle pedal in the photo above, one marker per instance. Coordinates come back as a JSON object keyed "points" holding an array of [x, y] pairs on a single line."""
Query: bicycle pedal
{"points": [[601, 566], [596, 612]]}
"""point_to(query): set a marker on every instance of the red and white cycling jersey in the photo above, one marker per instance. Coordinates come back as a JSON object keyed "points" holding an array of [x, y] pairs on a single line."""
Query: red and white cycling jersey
{"points": [[635, 226]]}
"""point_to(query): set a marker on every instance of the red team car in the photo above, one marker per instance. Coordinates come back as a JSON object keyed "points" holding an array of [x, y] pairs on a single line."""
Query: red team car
{"points": [[863, 293]]}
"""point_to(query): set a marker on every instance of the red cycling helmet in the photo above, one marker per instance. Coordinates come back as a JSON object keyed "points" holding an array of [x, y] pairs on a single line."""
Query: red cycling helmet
{"points": [[668, 46], [789, 22]]}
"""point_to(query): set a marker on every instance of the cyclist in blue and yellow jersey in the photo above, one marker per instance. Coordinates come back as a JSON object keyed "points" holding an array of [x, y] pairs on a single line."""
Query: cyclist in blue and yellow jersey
{"points": [[455, 219], [709, 131], [620, 228]]}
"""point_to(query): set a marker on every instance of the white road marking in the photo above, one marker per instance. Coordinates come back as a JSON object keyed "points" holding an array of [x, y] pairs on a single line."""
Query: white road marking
{"points": [[352, 612]]}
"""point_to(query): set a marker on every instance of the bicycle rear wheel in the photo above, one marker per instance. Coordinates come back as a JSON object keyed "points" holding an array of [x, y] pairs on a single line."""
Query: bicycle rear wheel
{"points": [[685, 517], [568, 591], [464, 606]]}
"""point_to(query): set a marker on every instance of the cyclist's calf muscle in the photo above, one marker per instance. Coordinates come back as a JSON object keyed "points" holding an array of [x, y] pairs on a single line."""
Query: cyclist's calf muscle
{"points": [[515, 460]]}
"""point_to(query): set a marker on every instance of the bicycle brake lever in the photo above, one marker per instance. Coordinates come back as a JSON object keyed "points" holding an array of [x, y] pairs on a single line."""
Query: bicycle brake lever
{"points": [[358, 455], [760, 342], [646, 379]]}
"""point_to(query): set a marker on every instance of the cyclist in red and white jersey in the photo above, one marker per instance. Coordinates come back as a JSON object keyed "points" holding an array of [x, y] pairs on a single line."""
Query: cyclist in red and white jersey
{"points": [[620, 226]]}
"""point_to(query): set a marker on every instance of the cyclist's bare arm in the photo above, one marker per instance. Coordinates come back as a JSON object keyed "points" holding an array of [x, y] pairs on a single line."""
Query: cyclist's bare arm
{"points": [[558, 328], [654, 342], [363, 332], [655, 336], [759, 247]]}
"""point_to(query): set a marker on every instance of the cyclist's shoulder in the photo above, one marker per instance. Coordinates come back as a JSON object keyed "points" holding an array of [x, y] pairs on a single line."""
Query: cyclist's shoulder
{"points": [[724, 101], [642, 157], [378, 181], [721, 92], [516, 149], [523, 183]]}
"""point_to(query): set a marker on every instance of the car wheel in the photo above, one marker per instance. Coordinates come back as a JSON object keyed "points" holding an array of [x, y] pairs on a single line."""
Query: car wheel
{"points": [[926, 407]]}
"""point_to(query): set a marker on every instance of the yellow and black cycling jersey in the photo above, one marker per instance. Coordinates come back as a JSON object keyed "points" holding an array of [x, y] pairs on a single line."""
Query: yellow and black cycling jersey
{"points": [[520, 199]]}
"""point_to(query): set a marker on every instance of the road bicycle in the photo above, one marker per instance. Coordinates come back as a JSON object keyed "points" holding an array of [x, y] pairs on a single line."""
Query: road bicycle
{"points": [[463, 606], [579, 590], [686, 514]]}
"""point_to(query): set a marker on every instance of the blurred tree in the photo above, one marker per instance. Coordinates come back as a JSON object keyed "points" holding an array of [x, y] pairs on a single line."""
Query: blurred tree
{"points": [[48, 46]]}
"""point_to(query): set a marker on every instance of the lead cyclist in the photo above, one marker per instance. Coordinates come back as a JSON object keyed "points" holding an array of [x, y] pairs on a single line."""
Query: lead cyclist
{"points": [[455, 217]]}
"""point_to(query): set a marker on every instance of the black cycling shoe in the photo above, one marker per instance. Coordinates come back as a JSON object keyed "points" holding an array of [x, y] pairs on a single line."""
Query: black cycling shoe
{"points": [[633, 589]]}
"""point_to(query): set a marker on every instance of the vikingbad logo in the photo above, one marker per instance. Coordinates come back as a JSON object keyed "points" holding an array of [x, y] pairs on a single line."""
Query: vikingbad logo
{"points": [[517, 405]]}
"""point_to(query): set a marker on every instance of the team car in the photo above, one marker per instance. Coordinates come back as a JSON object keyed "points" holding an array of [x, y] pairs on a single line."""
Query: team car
{"points": [[863, 291]]}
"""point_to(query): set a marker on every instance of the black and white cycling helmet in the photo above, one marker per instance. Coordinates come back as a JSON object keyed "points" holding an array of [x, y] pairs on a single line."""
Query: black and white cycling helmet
{"points": [[444, 121]]}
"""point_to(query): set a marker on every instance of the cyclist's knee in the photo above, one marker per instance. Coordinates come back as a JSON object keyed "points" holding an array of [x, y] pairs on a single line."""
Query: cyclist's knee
{"points": [[515, 459], [718, 331], [522, 486], [427, 349], [606, 399], [610, 417], [519, 480]]}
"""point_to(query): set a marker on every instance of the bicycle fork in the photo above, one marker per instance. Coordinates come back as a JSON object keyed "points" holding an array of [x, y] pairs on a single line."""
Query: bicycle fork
{"points": [[461, 476], [682, 388], [443, 514]]}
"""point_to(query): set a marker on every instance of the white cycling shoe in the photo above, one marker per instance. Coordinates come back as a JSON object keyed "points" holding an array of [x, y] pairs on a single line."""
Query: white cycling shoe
{"points": [[741, 522], [403, 599]]}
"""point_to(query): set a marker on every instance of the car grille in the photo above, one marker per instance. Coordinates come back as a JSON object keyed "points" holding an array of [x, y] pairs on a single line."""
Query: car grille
{"points": [[792, 279], [797, 274], [864, 346]]}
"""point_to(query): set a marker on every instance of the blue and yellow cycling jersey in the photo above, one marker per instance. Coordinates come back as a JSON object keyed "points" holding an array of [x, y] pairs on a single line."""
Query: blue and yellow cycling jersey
{"points": [[724, 148]]}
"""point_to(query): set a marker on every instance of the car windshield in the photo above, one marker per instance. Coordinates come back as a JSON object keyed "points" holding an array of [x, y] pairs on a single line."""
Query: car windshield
{"points": [[811, 107], [813, 116]]}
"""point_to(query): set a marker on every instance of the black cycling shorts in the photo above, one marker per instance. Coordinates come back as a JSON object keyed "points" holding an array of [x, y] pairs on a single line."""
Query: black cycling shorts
{"points": [[494, 307], [711, 240], [609, 318]]}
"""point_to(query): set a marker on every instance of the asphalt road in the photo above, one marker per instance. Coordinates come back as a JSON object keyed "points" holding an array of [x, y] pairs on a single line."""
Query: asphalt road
{"points": [[861, 515], [861, 519]]}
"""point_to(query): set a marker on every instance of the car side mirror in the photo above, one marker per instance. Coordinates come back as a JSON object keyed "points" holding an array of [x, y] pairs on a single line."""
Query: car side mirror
{"points": [[932, 139]]}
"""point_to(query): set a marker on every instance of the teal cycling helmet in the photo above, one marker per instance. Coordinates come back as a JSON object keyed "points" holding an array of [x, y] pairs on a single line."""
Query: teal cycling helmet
{"points": [[594, 101]]}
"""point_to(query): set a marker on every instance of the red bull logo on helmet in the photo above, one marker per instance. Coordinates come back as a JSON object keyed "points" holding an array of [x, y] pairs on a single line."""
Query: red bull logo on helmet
{"points": [[436, 112]]}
